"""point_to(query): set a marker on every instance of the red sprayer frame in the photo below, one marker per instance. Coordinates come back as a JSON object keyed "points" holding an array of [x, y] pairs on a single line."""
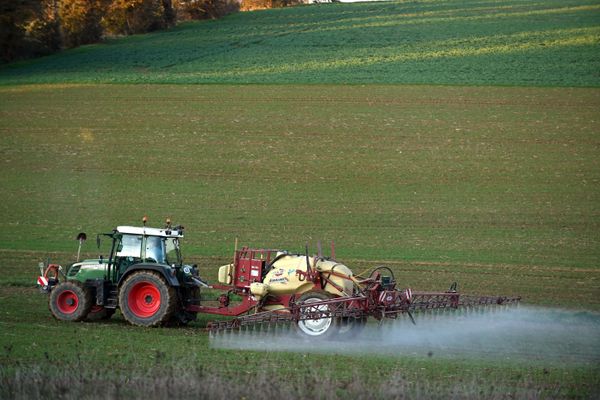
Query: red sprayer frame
{"points": [[375, 296]]}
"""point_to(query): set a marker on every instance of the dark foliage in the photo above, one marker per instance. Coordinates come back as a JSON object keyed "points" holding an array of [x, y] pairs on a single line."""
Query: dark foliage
{"points": [[30, 28]]}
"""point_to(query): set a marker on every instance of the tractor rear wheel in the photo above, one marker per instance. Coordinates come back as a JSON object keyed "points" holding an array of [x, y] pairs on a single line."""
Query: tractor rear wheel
{"points": [[321, 327], [70, 301], [145, 299]]}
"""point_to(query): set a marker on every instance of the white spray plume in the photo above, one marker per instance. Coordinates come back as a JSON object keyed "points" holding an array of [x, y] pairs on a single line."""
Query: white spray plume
{"points": [[517, 334]]}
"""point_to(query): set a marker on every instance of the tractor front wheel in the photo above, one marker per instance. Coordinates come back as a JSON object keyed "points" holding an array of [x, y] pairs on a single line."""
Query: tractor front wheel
{"points": [[324, 327], [145, 299], [70, 301]]}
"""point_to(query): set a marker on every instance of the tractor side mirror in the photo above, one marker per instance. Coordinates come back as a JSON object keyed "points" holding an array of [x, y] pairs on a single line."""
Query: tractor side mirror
{"points": [[98, 240], [101, 260]]}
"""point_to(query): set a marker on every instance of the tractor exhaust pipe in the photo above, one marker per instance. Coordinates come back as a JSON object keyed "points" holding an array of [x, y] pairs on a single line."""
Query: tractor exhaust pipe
{"points": [[82, 237]]}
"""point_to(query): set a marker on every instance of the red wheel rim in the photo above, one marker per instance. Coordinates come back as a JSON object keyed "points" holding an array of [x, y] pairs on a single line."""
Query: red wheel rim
{"points": [[67, 302], [144, 299]]}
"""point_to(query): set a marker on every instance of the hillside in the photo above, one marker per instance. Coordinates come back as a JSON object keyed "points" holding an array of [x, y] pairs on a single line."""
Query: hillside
{"points": [[472, 42]]}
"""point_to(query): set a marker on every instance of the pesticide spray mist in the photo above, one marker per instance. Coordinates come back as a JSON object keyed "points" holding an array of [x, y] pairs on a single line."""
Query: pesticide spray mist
{"points": [[517, 334]]}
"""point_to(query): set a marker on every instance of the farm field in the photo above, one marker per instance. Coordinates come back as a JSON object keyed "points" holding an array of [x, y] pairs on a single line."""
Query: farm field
{"points": [[504, 176], [448, 140], [495, 188], [472, 42]]}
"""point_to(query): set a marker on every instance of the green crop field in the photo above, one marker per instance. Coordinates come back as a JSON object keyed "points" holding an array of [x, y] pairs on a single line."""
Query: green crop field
{"points": [[416, 166], [495, 188], [447, 181], [511, 42]]}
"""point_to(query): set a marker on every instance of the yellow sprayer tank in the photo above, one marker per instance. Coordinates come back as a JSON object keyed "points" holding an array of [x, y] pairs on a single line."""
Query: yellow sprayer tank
{"points": [[283, 279]]}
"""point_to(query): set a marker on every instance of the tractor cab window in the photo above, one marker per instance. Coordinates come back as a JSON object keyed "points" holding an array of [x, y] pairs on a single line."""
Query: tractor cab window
{"points": [[129, 252], [173, 255], [155, 249], [130, 246]]}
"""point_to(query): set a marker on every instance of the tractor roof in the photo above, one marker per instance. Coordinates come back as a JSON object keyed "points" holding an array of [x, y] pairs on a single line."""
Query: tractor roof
{"points": [[136, 230]]}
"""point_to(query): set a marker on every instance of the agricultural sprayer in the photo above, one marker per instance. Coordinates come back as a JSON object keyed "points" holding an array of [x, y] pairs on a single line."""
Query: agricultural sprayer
{"points": [[144, 276]]}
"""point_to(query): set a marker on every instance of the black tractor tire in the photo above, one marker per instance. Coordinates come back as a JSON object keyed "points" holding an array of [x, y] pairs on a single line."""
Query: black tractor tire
{"points": [[324, 328], [70, 301], [183, 317], [99, 313], [146, 299]]}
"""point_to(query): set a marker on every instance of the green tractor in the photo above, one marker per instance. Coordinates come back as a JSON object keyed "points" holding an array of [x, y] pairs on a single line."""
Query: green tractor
{"points": [[144, 277]]}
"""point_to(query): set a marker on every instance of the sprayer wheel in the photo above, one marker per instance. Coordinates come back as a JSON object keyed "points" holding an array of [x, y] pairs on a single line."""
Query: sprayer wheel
{"points": [[146, 299], [70, 301], [350, 327], [323, 328]]}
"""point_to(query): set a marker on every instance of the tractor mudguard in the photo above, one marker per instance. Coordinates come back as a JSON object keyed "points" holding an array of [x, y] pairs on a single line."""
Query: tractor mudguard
{"points": [[165, 271]]}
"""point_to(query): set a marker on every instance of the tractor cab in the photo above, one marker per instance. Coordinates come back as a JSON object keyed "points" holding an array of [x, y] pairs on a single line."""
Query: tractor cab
{"points": [[141, 245]]}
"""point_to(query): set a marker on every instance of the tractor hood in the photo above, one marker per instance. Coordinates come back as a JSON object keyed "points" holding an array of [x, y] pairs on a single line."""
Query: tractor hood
{"points": [[88, 269]]}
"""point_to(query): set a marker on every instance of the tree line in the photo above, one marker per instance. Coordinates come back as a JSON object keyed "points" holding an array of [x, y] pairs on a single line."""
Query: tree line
{"points": [[30, 28]]}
